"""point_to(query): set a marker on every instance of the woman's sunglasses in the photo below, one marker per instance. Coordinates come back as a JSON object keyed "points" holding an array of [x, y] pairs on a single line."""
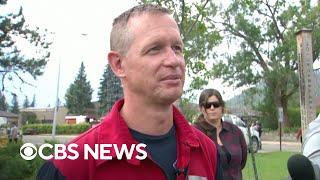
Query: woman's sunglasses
{"points": [[214, 104]]}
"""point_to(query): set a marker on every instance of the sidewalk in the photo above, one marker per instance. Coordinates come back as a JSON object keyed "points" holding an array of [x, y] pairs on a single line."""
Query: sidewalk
{"points": [[271, 146]]}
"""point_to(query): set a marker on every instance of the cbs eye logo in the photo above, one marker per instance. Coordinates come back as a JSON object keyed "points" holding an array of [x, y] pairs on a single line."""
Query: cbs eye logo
{"points": [[28, 151]]}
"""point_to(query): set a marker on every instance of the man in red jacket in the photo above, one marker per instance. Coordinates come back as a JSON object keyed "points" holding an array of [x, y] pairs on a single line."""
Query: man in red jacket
{"points": [[147, 55]]}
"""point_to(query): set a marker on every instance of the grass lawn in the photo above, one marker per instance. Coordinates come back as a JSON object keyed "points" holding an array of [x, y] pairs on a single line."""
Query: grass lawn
{"points": [[270, 166]]}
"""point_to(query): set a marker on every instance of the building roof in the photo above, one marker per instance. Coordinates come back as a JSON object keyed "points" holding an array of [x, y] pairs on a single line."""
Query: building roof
{"points": [[8, 114]]}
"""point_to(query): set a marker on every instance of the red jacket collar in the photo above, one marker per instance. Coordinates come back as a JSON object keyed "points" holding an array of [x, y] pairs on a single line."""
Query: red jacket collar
{"points": [[114, 130]]}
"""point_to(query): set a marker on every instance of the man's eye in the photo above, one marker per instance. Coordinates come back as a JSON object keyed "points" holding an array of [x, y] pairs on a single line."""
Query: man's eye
{"points": [[177, 49], [154, 49]]}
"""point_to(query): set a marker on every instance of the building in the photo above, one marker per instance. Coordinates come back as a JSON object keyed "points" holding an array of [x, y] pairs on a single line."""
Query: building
{"points": [[6, 119], [46, 115]]}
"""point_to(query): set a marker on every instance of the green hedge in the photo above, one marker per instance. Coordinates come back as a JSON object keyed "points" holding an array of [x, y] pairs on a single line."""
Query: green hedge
{"points": [[294, 117], [12, 166], [61, 129]]}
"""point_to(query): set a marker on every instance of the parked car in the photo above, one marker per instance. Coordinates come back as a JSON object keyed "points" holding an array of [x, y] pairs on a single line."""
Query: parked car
{"points": [[256, 141]]}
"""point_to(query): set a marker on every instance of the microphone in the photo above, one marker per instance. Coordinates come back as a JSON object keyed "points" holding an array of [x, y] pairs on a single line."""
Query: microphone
{"points": [[300, 168], [179, 171]]}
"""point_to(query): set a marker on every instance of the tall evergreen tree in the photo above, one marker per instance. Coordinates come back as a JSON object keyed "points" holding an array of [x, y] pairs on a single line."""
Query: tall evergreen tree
{"points": [[14, 63], [33, 103], [79, 94], [110, 90], [3, 103], [15, 104], [26, 102]]}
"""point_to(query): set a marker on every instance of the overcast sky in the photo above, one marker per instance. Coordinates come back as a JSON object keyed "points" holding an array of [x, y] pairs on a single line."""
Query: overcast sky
{"points": [[81, 31]]}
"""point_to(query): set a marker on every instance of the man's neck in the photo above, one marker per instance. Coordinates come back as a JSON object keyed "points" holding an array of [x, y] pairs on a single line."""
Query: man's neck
{"points": [[147, 118]]}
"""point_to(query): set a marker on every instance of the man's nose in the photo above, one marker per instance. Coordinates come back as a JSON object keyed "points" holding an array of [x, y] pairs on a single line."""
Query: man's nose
{"points": [[172, 58]]}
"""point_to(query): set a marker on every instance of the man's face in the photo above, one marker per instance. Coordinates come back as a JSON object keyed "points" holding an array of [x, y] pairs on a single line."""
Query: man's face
{"points": [[154, 65]]}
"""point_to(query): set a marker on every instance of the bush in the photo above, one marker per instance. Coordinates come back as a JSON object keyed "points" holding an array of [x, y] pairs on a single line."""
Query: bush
{"points": [[12, 166], [60, 129], [294, 116], [291, 129], [29, 118]]}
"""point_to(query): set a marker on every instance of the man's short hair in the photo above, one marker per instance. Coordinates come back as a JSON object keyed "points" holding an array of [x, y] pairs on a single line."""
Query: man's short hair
{"points": [[120, 38]]}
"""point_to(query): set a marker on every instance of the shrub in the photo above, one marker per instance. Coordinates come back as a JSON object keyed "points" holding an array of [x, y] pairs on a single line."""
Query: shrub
{"points": [[12, 166], [294, 116], [29, 118], [291, 129], [60, 129]]}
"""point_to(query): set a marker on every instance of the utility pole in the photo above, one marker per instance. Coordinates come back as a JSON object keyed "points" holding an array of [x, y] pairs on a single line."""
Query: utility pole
{"points": [[306, 78], [54, 124]]}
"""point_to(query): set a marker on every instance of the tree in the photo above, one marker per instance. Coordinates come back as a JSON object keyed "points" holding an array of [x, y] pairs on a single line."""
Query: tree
{"points": [[33, 103], [26, 102], [199, 35], [3, 103], [110, 90], [265, 31], [15, 104], [29, 118], [14, 64], [79, 94]]}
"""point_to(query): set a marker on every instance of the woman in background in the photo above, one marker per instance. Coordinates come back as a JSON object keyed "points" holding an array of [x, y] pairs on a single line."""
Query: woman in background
{"points": [[227, 137]]}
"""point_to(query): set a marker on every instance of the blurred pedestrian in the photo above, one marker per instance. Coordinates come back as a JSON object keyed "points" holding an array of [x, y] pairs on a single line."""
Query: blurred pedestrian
{"points": [[14, 133]]}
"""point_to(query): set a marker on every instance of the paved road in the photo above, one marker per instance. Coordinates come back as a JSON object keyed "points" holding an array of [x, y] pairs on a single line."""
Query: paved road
{"points": [[267, 146]]}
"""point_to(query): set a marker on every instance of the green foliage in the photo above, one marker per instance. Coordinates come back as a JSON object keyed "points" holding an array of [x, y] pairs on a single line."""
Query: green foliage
{"points": [[61, 128], [3, 103], [267, 107], [189, 109], [26, 102], [294, 116], [29, 118], [33, 103], [15, 104], [14, 63], [12, 166], [265, 31], [199, 35], [110, 90], [79, 94], [293, 129]]}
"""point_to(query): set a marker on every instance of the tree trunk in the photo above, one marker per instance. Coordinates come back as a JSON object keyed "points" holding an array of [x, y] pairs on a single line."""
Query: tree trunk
{"points": [[282, 101], [284, 105]]}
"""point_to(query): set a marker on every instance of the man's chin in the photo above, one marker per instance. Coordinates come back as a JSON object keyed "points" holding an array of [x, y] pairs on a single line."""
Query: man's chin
{"points": [[171, 97]]}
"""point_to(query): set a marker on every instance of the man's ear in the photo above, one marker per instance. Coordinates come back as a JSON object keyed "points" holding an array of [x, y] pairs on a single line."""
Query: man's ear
{"points": [[115, 62]]}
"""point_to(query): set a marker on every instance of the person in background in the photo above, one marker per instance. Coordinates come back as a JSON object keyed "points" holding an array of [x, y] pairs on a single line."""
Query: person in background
{"points": [[258, 128], [14, 133], [299, 135], [147, 55], [228, 138]]}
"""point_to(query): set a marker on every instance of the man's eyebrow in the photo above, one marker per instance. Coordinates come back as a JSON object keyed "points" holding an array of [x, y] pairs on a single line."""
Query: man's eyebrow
{"points": [[154, 42], [179, 41], [160, 42]]}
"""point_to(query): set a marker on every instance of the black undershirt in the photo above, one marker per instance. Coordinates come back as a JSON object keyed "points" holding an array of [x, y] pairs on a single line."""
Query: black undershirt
{"points": [[162, 149]]}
